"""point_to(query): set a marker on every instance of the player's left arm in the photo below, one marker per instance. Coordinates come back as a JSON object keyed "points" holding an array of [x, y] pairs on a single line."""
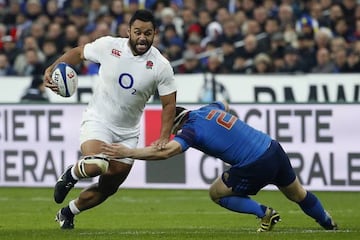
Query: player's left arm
{"points": [[167, 118], [114, 150]]}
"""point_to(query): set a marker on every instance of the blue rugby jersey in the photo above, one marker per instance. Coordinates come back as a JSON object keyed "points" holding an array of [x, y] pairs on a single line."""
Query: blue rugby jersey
{"points": [[217, 133]]}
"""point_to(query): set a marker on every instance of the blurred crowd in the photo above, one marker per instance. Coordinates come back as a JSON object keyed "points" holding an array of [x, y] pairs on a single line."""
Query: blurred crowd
{"points": [[229, 36]]}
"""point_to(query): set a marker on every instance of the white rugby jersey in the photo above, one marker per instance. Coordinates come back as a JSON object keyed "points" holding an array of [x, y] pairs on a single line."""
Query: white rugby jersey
{"points": [[126, 81]]}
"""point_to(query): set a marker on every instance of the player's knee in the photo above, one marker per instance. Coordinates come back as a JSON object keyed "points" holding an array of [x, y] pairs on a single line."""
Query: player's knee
{"points": [[214, 196], [91, 166]]}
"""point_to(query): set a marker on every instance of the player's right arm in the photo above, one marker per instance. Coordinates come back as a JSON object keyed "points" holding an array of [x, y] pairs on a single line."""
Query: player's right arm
{"points": [[73, 57], [172, 148]]}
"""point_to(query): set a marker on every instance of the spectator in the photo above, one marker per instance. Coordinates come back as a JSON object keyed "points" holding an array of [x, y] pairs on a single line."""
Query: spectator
{"points": [[168, 33], [33, 9], [122, 30], [251, 26], [277, 45], [260, 16], [5, 67], [71, 36], [213, 31], [175, 48], [239, 18], [349, 7], [271, 8], [229, 53], [33, 65], [354, 62], [292, 62], [306, 50], [337, 43], [22, 60], [191, 63], [340, 60], [231, 32], [211, 6], [286, 16], [194, 23], [189, 19], [10, 49], [205, 19], [342, 30], [50, 51], [36, 92], [262, 64], [249, 50], [307, 26], [37, 30], [9, 17], [79, 18], [56, 34], [168, 17], [271, 27], [323, 37], [96, 8], [222, 15], [102, 29], [357, 30], [52, 9], [214, 64], [336, 13], [193, 43], [324, 63], [117, 14], [248, 6]]}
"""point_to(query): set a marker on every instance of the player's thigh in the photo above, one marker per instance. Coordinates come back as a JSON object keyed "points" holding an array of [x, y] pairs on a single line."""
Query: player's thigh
{"points": [[294, 191], [91, 147], [218, 189], [92, 135]]}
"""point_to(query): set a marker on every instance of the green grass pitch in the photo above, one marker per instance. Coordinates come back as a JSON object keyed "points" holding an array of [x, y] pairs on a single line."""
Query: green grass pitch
{"points": [[28, 213]]}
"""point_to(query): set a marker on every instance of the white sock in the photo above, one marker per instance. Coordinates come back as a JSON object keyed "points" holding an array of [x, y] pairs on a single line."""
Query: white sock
{"points": [[73, 207], [73, 173]]}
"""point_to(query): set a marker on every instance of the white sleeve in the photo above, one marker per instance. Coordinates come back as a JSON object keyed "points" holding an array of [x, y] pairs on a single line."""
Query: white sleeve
{"points": [[93, 50], [166, 83]]}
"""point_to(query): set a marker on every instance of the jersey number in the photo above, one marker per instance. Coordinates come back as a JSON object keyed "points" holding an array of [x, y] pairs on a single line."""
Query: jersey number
{"points": [[220, 119], [126, 81]]}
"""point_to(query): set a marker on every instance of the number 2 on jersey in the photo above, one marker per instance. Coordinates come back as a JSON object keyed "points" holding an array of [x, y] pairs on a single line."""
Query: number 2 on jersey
{"points": [[220, 119]]}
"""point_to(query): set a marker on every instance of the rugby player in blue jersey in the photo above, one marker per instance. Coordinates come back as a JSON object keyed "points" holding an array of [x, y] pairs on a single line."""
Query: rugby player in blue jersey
{"points": [[256, 160]]}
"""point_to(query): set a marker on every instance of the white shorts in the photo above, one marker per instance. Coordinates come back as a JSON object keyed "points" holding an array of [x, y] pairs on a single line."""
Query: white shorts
{"points": [[95, 130]]}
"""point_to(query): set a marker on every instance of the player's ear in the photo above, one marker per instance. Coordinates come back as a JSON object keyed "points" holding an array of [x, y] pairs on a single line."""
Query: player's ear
{"points": [[156, 31], [226, 104]]}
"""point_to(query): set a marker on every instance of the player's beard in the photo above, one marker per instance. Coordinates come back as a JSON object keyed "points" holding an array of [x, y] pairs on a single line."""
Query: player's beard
{"points": [[139, 47]]}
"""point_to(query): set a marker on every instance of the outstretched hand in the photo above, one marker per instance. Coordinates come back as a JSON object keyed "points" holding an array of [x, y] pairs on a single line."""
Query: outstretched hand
{"points": [[49, 83], [160, 143], [115, 150]]}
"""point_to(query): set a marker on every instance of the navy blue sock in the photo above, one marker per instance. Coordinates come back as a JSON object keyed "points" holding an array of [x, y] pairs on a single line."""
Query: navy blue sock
{"points": [[243, 205], [313, 208], [67, 212], [69, 176]]}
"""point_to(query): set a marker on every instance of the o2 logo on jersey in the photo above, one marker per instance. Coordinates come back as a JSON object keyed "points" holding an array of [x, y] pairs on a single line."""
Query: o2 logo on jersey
{"points": [[126, 81]]}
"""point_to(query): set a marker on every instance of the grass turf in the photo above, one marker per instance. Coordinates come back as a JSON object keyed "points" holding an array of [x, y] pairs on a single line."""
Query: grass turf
{"points": [[28, 213]]}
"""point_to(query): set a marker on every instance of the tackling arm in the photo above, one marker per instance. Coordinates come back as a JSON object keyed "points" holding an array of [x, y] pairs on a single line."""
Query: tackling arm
{"points": [[167, 118], [172, 148]]}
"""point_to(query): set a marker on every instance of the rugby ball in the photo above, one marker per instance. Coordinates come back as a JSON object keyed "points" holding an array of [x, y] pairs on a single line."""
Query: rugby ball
{"points": [[66, 78]]}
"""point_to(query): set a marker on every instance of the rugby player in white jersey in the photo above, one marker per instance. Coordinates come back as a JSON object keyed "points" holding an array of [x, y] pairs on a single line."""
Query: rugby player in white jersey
{"points": [[131, 70]]}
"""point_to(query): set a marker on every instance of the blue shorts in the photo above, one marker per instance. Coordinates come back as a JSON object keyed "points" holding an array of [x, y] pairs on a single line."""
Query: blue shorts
{"points": [[273, 167]]}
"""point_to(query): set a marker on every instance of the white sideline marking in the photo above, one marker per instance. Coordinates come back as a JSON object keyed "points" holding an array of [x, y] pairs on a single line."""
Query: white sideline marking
{"points": [[207, 230]]}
